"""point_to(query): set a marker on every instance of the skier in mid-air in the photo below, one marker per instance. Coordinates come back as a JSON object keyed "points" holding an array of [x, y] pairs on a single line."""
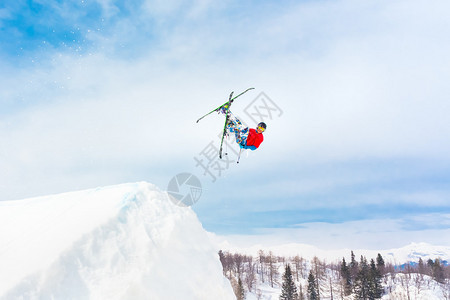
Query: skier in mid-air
{"points": [[245, 137]]}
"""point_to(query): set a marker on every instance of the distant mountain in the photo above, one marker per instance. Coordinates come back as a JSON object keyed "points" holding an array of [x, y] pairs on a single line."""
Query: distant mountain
{"points": [[408, 253], [414, 251]]}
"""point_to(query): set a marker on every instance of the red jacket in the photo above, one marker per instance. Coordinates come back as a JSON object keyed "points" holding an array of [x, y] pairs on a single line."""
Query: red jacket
{"points": [[254, 138]]}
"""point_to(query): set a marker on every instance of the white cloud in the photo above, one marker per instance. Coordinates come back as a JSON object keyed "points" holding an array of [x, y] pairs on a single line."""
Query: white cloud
{"points": [[367, 234], [104, 117], [108, 8], [373, 86]]}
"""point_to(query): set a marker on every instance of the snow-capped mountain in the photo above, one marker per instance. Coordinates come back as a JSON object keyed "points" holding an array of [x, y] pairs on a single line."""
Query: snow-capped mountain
{"points": [[120, 242], [414, 251]]}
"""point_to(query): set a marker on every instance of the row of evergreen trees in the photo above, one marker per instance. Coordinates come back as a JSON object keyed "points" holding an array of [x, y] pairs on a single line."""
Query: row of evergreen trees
{"points": [[363, 279], [303, 279], [289, 289]]}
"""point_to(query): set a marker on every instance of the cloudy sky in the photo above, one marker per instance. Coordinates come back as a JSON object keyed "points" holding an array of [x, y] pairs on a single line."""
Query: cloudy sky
{"points": [[355, 95]]}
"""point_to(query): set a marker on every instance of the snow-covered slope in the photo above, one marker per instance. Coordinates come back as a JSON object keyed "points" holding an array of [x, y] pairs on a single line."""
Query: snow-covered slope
{"points": [[119, 242]]}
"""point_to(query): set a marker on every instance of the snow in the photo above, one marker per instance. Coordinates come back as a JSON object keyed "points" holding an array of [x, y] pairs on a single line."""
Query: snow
{"points": [[414, 286], [396, 285], [119, 242]]}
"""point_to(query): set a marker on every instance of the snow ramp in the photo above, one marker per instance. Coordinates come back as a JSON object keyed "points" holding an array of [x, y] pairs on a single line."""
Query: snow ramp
{"points": [[120, 242]]}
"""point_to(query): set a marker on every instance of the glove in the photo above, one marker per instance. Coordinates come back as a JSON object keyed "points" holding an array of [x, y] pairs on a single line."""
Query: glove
{"points": [[247, 147]]}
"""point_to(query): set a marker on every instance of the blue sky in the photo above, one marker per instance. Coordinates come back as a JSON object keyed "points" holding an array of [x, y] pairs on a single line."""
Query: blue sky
{"points": [[104, 92]]}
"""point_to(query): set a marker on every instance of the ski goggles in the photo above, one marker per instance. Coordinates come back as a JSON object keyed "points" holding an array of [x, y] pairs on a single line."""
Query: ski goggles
{"points": [[261, 128]]}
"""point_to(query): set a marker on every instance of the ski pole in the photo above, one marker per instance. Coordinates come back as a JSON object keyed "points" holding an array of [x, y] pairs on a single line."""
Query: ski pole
{"points": [[226, 145], [239, 156]]}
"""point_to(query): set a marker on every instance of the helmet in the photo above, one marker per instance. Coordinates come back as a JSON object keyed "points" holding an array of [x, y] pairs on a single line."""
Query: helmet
{"points": [[262, 124]]}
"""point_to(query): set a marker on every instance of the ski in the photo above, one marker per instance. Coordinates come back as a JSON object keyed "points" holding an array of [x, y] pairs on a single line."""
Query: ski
{"points": [[230, 100], [227, 116], [226, 107]]}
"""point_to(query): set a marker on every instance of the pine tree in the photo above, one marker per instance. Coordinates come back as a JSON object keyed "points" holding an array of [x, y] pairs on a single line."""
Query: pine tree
{"points": [[289, 290], [362, 281], [438, 271], [346, 277], [421, 267], [313, 293], [353, 268], [380, 264], [375, 288]]}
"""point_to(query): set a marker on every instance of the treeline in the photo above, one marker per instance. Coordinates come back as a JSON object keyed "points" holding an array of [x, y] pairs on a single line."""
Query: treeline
{"points": [[363, 279], [302, 279], [246, 270], [433, 268]]}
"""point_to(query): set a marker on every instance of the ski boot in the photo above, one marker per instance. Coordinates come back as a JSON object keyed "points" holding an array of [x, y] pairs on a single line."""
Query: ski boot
{"points": [[224, 109]]}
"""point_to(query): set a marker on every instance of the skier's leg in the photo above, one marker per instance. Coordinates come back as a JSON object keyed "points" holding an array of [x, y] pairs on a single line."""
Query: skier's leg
{"points": [[233, 123], [241, 134], [231, 126], [236, 126]]}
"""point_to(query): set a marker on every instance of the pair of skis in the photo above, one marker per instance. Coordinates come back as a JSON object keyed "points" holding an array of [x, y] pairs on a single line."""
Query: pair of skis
{"points": [[226, 107]]}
